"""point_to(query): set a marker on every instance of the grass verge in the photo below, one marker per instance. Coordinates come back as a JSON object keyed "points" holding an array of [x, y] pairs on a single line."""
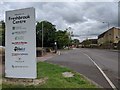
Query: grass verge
{"points": [[55, 78]]}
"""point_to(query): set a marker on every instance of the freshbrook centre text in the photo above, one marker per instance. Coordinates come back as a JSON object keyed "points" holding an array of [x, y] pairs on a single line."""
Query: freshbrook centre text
{"points": [[19, 19]]}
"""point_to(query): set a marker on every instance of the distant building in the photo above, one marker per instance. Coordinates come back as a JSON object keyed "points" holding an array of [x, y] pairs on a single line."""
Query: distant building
{"points": [[93, 41], [111, 36], [89, 43]]}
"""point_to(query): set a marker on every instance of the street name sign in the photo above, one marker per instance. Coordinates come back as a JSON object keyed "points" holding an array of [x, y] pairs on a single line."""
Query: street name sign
{"points": [[20, 44]]}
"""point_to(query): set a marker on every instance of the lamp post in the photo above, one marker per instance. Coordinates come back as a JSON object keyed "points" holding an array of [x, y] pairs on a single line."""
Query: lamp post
{"points": [[42, 39], [42, 36], [69, 33]]}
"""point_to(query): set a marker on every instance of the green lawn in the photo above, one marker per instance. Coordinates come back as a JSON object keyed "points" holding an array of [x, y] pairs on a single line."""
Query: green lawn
{"points": [[55, 78]]}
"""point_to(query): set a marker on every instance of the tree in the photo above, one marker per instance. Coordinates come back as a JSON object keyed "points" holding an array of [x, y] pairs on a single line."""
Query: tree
{"points": [[49, 33], [76, 42], [62, 38], [3, 33], [86, 43]]}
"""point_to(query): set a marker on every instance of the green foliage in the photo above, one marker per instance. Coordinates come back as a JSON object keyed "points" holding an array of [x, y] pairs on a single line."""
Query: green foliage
{"points": [[3, 33], [86, 42], [51, 35], [75, 42], [62, 38], [49, 31]]}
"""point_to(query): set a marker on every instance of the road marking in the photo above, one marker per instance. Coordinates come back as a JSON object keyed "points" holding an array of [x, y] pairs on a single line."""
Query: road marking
{"points": [[108, 80]]}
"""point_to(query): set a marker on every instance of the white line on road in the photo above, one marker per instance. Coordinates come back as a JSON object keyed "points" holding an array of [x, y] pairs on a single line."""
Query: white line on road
{"points": [[108, 80]]}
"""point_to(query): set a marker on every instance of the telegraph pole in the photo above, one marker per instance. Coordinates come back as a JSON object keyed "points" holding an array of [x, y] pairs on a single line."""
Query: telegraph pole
{"points": [[42, 39]]}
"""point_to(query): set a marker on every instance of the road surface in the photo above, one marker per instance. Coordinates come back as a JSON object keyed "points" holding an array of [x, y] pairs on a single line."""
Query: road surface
{"points": [[80, 61]]}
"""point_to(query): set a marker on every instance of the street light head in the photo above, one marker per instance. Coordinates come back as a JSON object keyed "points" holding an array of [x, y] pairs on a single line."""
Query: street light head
{"points": [[105, 22]]}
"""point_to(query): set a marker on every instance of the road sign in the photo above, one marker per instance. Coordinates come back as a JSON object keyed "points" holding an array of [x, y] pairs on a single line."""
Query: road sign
{"points": [[20, 51]]}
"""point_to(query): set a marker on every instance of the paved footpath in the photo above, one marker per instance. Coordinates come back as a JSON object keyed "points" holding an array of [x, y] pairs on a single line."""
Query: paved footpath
{"points": [[46, 57]]}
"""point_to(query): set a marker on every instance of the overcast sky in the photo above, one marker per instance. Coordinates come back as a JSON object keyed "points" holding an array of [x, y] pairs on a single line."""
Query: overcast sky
{"points": [[84, 18]]}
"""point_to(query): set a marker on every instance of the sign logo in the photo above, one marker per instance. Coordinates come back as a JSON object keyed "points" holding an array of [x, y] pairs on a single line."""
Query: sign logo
{"points": [[19, 54], [19, 49], [19, 43], [13, 28], [19, 38], [19, 32], [13, 66], [19, 58], [18, 28]]}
